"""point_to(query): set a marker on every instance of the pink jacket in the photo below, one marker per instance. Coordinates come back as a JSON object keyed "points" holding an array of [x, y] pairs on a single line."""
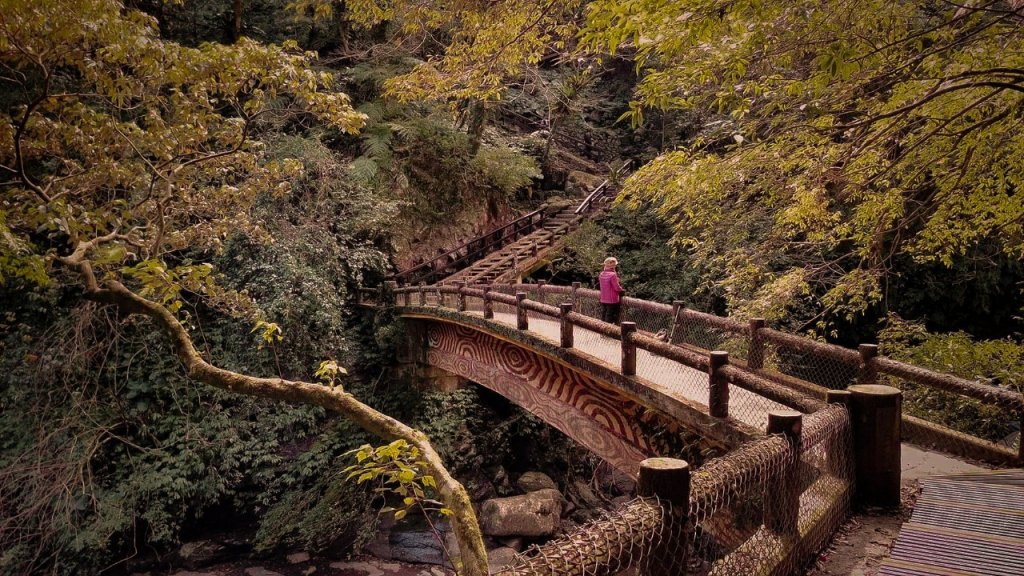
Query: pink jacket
{"points": [[611, 292]]}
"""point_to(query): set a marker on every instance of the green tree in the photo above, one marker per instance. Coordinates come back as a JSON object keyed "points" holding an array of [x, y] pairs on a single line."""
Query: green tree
{"points": [[840, 136], [121, 152], [485, 46]]}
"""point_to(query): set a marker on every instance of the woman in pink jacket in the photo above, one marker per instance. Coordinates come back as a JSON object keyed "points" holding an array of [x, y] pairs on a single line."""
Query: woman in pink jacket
{"points": [[611, 292]]}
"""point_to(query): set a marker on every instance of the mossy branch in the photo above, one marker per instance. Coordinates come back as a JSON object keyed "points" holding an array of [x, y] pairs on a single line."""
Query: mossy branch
{"points": [[473, 555]]}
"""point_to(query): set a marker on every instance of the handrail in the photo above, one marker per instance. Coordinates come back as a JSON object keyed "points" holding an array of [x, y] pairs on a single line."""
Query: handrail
{"points": [[587, 202], [774, 385]]}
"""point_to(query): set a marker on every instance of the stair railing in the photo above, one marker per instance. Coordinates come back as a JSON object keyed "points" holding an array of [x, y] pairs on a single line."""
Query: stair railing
{"points": [[465, 254], [600, 191]]}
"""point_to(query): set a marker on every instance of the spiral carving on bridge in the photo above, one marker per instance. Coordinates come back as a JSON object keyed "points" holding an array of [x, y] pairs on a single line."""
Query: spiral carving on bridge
{"points": [[594, 415]]}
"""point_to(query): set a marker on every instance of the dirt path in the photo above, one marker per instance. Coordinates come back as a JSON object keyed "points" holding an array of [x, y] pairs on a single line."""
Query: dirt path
{"points": [[864, 541]]}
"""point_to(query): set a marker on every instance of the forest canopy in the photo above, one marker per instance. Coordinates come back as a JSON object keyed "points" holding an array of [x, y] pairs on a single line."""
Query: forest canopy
{"points": [[840, 138], [170, 180]]}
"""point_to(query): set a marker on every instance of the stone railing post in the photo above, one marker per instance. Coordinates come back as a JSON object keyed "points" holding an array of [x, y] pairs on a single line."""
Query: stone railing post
{"points": [[567, 332], [423, 293], [668, 480], [388, 288], [875, 413], [488, 304], [718, 385], [868, 371], [522, 321], [755, 354], [628, 348], [461, 306], [782, 504], [575, 295], [540, 291]]}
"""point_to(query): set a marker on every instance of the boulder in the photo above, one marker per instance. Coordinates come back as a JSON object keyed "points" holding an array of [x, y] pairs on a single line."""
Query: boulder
{"points": [[501, 481], [499, 558], [534, 514], [620, 482], [582, 182], [260, 571], [585, 496], [416, 547], [620, 501], [480, 490], [533, 481], [201, 553], [515, 543], [297, 557]]}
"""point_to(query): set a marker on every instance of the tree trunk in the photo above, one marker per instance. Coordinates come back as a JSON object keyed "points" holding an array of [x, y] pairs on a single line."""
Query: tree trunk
{"points": [[477, 122], [236, 23], [473, 555]]}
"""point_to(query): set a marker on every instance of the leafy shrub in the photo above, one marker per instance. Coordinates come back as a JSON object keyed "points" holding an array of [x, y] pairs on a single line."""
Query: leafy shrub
{"points": [[997, 362], [503, 169], [106, 446]]}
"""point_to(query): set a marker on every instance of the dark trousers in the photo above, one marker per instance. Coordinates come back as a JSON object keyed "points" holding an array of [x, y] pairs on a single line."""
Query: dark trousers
{"points": [[610, 312]]}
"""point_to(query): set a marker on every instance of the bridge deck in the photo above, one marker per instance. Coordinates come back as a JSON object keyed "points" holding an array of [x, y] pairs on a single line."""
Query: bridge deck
{"points": [[667, 376]]}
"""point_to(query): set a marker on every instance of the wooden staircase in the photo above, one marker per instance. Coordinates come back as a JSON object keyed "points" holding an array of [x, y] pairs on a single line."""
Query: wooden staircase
{"points": [[511, 251], [522, 256]]}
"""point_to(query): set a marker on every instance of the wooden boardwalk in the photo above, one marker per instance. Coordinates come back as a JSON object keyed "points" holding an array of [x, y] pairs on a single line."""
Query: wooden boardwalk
{"points": [[966, 525]]}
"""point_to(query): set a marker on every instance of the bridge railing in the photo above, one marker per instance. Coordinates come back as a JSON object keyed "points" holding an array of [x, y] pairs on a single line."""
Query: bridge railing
{"points": [[782, 368], [662, 357], [761, 509]]}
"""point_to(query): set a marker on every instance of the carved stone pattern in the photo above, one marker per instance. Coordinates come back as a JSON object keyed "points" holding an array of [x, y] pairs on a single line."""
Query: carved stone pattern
{"points": [[597, 417]]}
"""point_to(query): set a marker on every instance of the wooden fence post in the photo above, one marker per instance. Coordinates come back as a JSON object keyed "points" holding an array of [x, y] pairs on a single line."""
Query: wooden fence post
{"points": [[755, 354], [461, 306], [628, 348], [522, 322], [668, 480], [488, 305], [875, 413], [567, 330], [868, 371], [782, 502], [718, 385], [575, 295]]}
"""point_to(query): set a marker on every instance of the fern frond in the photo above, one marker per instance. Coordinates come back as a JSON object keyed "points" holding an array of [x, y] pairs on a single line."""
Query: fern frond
{"points": [[364, 171]]}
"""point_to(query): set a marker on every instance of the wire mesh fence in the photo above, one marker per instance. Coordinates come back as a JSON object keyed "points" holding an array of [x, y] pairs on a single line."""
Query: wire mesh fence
{"points": [[762, 508]]}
